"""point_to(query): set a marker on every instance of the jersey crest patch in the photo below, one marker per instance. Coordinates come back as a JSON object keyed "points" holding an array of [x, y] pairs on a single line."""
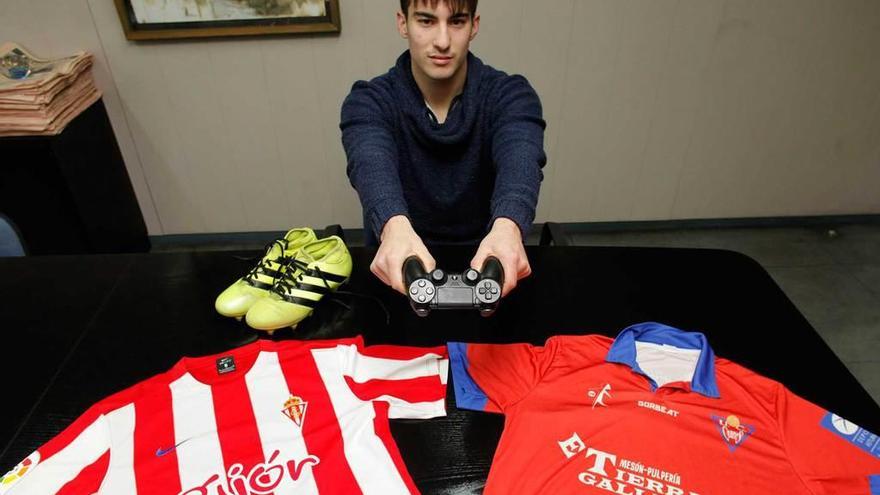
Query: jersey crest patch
{"points": [[295, 410], [732, 430]]}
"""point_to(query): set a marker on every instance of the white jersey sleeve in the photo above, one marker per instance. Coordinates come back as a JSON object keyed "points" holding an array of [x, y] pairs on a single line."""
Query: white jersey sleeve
{"points": [[76, 460], [411, 380]]}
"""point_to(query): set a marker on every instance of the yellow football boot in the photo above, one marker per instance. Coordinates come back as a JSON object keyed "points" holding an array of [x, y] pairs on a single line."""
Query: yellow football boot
{"points": [[238, 298], [319, 268]]}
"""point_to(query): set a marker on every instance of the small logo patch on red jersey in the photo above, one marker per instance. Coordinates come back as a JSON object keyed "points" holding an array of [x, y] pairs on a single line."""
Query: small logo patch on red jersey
{"points": [[295, 409], [853, 434], [571, 446], [600, 396], [732, 430]]}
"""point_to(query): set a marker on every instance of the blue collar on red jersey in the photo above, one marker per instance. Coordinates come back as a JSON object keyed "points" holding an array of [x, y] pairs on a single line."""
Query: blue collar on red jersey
{"points": [[623, 351]]}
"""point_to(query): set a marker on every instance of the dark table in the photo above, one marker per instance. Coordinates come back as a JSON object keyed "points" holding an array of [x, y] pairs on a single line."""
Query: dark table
{"points": [[79, 328]]}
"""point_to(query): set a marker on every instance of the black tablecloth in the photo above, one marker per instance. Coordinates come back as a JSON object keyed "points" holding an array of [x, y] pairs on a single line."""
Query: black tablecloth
{"points": [[79, 328]]}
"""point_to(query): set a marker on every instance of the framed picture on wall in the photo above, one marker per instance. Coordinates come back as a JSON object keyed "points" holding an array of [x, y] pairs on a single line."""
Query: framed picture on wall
{"points": [[171, 19]]}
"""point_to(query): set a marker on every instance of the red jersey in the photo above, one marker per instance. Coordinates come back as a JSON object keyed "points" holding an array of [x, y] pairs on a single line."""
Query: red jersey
{"points": [[654, 412], [266, 418]]}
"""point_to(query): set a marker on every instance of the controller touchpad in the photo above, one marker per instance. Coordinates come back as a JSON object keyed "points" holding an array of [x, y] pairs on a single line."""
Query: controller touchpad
{"points": [[455, 296]]}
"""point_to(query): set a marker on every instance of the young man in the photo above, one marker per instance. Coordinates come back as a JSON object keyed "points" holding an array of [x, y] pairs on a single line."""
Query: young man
{"points": [[443, 148]]}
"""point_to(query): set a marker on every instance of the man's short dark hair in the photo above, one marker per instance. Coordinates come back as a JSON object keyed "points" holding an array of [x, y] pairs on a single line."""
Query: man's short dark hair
{"points": [[455, 6]]}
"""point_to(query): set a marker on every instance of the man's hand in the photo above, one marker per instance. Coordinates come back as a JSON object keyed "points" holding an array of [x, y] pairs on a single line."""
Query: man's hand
{"points": [[504, 242], [398, 242]]}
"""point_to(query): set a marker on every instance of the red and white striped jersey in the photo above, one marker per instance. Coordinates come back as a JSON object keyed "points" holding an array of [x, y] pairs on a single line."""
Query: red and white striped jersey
{"points": [[267, 418]]}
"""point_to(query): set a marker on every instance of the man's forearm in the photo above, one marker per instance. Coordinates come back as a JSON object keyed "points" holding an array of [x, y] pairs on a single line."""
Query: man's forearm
{"points": [[380, 194], [372, 159], [518, 183], [519, 212], [518, 153]]}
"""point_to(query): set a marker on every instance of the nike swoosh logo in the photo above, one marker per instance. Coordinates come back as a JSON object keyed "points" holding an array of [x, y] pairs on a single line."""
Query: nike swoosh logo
{"points": [[160, 451]]}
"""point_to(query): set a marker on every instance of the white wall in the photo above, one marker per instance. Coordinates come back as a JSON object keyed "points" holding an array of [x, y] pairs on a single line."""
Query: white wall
{"points": [[657, 109]]}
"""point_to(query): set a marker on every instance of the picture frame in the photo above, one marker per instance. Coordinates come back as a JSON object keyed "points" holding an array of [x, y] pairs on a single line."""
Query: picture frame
{"points": [[180, 19]]}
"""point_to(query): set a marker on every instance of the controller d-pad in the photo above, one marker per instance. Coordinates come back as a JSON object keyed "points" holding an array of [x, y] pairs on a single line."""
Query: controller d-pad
{"points": [[488, 291]]}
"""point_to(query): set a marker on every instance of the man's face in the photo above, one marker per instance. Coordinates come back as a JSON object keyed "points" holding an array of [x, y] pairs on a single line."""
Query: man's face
{"points": [[438, 38]]}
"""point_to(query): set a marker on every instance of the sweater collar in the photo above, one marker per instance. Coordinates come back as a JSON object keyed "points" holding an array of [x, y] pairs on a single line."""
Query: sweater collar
{"points": [[458, 124]]}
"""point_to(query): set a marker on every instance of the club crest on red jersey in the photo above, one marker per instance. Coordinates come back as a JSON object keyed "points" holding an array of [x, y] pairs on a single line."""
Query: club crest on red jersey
{"points": [[732, 430], [295, 410]]}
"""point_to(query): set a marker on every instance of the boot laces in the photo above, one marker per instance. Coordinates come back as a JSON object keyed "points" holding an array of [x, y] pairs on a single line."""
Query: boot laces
{"points": [[263, 266]]}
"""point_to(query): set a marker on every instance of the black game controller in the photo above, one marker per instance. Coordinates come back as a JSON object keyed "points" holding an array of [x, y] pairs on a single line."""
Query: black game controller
{"points": [[441, 290]]}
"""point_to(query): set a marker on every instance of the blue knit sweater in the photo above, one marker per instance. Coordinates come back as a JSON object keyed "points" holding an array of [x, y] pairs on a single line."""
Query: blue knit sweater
{"points": [[452, 179]]}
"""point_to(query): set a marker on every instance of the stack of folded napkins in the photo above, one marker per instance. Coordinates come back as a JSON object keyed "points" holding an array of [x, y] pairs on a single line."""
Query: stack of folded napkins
{"points": [[41, 96]]}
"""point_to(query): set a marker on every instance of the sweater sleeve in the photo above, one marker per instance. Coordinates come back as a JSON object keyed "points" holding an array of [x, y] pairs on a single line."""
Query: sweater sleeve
{"points": [[517, 151], [368, 139]]}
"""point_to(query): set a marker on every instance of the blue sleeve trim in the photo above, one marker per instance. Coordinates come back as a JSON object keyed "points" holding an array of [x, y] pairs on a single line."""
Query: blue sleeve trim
{"points": [[874, 482], [852, 433], [468, 395]]}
